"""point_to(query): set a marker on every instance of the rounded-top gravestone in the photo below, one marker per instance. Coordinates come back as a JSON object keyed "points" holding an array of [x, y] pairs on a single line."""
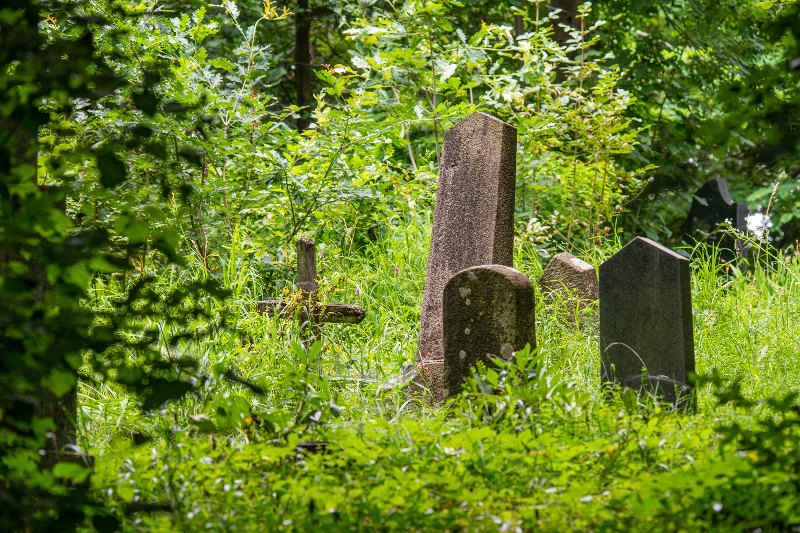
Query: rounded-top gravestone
{"points": [[488, 312]]}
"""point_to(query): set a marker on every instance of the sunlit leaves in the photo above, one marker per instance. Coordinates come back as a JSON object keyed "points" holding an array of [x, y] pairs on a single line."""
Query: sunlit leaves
{"points": [[72, 472]]}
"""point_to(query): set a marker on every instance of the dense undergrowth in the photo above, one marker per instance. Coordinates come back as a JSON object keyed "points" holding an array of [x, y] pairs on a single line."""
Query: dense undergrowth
{"points": [[159, 159], [533, 444]]}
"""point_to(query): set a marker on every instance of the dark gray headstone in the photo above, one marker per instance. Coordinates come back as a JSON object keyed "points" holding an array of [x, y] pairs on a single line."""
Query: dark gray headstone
{"points": [[573, 279], [711, 208], [488, 311], [473, 222], [646, 318]]}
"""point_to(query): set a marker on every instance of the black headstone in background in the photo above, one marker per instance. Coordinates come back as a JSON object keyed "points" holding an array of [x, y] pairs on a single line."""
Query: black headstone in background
{"points": [[646, 333], [711, 207]]}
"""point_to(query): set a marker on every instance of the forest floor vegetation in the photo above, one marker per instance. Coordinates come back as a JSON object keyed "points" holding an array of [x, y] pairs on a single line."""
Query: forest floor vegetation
{"points": [[532, 444]]}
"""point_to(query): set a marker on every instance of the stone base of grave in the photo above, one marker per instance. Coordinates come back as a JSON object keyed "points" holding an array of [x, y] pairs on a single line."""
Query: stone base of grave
{"points": [[679, 395], [423, 381], [427, 382]]}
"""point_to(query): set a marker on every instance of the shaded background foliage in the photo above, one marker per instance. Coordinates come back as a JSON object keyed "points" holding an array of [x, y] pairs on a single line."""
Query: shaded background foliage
{"points": [[717, 97]]}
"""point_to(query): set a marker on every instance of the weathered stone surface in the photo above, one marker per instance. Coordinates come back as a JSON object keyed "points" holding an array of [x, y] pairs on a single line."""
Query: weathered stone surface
{"points": [[569, 276], [711, 208], [646, 318], [473, 221], [488, 311]]}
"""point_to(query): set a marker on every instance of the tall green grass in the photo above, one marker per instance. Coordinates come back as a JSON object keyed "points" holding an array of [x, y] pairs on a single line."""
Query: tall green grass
{"points": [[746, 324], [515, 456]]}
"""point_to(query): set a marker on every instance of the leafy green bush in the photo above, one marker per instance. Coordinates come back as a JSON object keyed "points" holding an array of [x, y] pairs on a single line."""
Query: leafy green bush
{"points": [[51, 68], [427, 73]]}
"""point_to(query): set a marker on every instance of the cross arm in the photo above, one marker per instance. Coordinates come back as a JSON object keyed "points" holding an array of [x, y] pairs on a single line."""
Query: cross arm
{"points": [[329, 313]]}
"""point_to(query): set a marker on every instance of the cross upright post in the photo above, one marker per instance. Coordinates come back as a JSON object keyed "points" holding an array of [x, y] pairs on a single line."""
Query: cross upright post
{"points": [[311, 313], [307, 283]]}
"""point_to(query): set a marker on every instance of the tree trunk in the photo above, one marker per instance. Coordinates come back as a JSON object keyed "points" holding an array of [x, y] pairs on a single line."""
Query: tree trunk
{"points": [[302, 63], [568, 16]]}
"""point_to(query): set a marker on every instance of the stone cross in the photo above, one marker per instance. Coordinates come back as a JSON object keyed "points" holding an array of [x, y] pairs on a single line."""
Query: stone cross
{"points": [[311, 312], [488, 311], [646, 337], [711, 207], [575, 279], [473, 221]]}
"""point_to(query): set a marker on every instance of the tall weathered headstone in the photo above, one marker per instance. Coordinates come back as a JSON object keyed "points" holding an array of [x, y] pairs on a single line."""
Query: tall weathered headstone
{"points": [[487, 311], [571, 277], [711, 208], [473, 221], [646, 333]]}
